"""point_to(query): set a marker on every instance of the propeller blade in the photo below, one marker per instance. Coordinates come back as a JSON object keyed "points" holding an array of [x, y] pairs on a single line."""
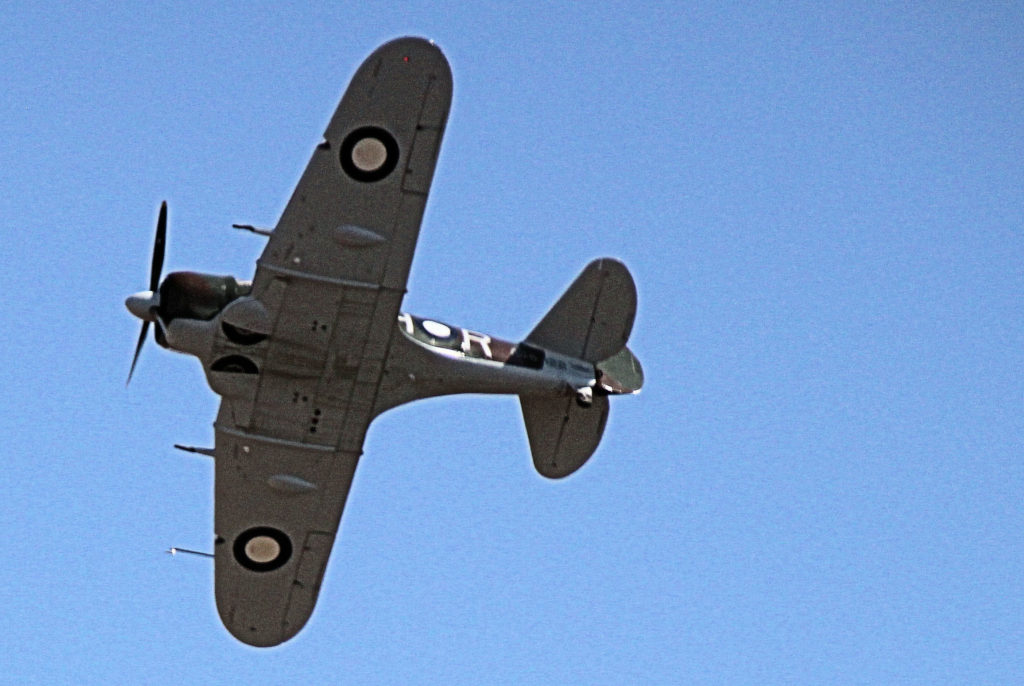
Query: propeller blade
{"points": [[159, 243], [158, 248], [138, 349]]}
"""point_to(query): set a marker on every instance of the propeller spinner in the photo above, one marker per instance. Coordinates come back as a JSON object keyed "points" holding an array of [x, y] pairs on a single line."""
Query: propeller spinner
{"points": [[145, 305]]}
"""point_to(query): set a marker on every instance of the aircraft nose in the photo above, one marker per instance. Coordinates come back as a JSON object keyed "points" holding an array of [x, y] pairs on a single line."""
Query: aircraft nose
{"points": [[142, 305]]}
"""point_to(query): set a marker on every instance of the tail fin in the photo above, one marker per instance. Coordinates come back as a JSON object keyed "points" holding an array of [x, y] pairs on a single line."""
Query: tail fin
{"points": [[591, 322]]}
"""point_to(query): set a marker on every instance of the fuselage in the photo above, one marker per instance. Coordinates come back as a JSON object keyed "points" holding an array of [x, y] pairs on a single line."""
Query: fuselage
{"points": [[431, 358], [426, 357], [215, 319]]}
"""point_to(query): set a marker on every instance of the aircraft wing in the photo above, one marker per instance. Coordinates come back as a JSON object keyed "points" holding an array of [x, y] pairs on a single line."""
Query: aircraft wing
{"points": [[328, 288], [355, 215]]}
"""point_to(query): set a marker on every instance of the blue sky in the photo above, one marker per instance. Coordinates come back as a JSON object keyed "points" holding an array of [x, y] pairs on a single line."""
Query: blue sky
{"points": [[823, 210]]}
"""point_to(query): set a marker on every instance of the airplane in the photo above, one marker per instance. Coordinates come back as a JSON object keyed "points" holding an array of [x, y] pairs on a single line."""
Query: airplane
{"points": [[310, 351]]}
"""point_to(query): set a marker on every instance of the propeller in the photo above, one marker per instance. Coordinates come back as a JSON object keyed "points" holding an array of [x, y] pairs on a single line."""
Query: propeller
{"points": [[146, 304]]}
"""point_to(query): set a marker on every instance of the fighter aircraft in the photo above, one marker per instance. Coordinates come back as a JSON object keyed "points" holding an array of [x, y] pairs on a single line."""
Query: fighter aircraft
{"points": [[310, 351]]}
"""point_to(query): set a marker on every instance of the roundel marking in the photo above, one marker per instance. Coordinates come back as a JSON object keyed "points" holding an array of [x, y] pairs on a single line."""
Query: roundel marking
{"points": [[369, 154], [262, 549], [437, 329]]}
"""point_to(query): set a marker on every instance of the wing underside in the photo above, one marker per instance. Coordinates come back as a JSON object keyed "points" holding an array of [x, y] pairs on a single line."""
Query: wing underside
{"points": [[295, 412], [278, 507]]}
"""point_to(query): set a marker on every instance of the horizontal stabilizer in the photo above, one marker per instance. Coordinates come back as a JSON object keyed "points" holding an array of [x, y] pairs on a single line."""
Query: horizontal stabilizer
{"points": [[563, 434], [593, 319]]}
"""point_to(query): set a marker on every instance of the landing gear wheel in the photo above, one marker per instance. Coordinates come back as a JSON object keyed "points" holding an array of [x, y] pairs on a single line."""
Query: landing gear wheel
{"points": [[241, 336]]}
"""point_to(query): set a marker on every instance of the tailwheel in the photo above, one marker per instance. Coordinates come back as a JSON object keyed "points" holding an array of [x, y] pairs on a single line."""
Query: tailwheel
{"points": [[585, 396]]}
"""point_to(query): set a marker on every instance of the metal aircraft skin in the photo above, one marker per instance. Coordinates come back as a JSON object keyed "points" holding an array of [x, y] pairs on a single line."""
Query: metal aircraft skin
{"points": [[310, 351]]}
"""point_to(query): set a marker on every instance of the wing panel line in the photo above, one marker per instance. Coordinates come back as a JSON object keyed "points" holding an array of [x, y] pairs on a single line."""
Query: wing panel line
{"points": [[318, 278], [258, 438]]}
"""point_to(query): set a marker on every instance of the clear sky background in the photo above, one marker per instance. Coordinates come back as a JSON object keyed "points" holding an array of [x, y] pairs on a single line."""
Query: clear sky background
{"points": [[823, 210]]}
